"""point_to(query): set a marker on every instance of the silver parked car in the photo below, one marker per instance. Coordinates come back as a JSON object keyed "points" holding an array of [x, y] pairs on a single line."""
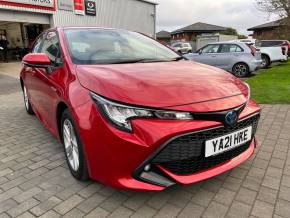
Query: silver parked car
{"points": [[182, 47], [236, 57]]}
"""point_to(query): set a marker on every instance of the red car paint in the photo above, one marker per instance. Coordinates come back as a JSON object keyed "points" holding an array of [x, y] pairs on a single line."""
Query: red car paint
{"points": [[114, 155], [37, 59], [139, 84]]}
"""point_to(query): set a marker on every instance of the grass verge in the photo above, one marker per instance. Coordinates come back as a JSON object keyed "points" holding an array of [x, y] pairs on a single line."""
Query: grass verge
{"points": [[272, 86]]}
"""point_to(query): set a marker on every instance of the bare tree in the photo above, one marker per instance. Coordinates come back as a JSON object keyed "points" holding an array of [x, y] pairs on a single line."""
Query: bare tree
{"points": [[280, 7]]}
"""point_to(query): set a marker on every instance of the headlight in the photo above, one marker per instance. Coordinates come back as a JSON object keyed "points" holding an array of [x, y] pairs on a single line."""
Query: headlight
{"points": [[119, 115], [172, 115]]}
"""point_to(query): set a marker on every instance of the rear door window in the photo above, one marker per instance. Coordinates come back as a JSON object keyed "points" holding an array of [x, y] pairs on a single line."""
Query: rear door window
{"points": [[230, 48], [211, 49], [271, 43], [176, 45]]}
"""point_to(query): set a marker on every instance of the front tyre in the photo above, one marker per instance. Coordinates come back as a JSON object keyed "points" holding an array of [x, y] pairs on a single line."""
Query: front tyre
{"points": [[241, 70], [27, 104], [73, 148]]}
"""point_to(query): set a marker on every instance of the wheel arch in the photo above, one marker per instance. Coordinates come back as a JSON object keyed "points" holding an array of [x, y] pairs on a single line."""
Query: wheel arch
{"points": [[266, 55], [61, 107], [21, 82]]}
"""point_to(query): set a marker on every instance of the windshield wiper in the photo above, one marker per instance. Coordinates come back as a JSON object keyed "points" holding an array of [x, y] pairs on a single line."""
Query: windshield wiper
{"points": [[179, 58], [152, 60], [161, 60], [141, 60], [145, 60], [128, 61]]}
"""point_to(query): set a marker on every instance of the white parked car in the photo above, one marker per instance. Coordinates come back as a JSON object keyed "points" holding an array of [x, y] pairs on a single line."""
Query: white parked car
{"points": [[268, 54], [182, 47]]}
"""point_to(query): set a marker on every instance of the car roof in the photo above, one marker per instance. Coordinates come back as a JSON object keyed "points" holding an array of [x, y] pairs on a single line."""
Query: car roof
{"points": [[273, 40], [181, 43], [88, 27], [85, 27], [226, 42]]}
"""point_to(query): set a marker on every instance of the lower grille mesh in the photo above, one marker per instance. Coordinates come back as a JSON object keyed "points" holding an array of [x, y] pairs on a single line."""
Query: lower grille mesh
{"points": [[186, 154]]}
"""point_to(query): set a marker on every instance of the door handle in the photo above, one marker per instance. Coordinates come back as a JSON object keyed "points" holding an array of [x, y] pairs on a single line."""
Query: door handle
{"points": [[213, 56]]}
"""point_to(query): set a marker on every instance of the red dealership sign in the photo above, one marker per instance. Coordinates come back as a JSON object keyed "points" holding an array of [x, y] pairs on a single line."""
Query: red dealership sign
{"points": [[79, 7]]}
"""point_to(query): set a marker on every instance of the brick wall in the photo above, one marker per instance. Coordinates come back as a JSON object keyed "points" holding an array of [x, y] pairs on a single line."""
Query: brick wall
{"points": [[277, 33], [264, 34], [164, 41], [184, 36]]}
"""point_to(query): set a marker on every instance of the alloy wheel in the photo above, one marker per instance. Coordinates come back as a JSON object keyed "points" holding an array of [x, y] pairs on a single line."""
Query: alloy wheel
{"points": [[264, 62], [71, 145], [241, 70]]}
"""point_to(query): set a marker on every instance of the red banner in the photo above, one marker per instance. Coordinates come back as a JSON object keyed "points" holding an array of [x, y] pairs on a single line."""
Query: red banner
{"points": [[79, 7], [39, 4]]}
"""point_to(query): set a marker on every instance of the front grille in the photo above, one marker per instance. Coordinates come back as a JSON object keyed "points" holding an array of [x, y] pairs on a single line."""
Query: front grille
{"points": [[186, 154]]}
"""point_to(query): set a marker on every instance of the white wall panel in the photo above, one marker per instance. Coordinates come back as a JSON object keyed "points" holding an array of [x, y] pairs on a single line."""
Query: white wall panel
{"points": [[127, 14], [134, 15]]}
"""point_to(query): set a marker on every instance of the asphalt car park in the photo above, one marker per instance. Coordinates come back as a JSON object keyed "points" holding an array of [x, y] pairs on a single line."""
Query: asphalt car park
{"points": [[35, 180]]}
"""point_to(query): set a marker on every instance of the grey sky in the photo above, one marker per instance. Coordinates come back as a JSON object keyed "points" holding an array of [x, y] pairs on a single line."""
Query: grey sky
{"points": [[240, 14]]}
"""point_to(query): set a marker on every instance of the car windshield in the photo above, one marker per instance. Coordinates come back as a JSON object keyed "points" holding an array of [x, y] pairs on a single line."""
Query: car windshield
{"points": [[108, 46], [176, 45]]}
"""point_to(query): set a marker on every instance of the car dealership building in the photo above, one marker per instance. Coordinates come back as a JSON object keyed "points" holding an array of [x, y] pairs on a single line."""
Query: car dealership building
{"points": [[22, 20]]}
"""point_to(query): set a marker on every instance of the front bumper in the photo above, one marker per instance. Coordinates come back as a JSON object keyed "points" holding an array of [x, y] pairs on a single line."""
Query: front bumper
{"points": [[182, 159], [118, 158], [214, 171]]}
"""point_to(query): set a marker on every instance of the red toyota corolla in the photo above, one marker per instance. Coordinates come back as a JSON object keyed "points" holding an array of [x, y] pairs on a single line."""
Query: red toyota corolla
{"points": [[131, 113]]}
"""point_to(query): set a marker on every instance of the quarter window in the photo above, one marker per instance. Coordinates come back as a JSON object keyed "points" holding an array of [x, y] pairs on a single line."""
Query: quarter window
{"points": [[37, 45], [227, 48], [52, 49]]}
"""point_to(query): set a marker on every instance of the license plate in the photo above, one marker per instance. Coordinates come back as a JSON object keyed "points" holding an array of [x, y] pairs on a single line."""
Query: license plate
{"points": [[228, 142]]}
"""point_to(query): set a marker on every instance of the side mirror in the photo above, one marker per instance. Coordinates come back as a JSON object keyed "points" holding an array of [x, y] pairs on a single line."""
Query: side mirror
{"points": [[200, 52], [40, 60]]}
